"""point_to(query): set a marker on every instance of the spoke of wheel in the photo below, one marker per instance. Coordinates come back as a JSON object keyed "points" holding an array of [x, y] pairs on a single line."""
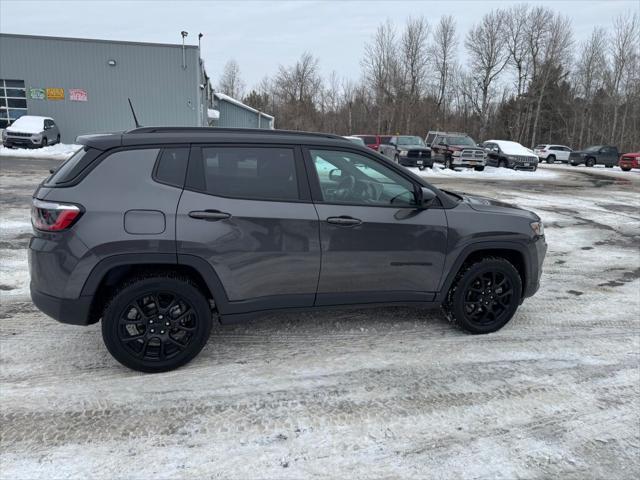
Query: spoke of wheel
{"points": [[133, 338], [162, 352], [143, 351], [181, 346]]}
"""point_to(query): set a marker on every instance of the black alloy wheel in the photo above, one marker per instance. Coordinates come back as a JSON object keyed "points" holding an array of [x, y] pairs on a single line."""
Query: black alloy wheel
{"points": [[157, 323], [590, 162], [485, 295], [58, 139]]}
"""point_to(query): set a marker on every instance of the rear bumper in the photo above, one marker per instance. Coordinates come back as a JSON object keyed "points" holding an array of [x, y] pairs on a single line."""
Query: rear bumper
{"points": [[73, 311]]}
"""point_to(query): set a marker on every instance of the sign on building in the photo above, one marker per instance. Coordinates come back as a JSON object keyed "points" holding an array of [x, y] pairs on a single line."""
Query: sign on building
{"points": [[37, 94], [55, 93], [77, 95]]}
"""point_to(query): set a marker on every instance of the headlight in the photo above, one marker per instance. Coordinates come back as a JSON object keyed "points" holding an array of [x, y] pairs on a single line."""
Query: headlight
{"points": [[513, 159], [583, 154], [4, 134], [457, 153], [404, 153], [538, 228]]}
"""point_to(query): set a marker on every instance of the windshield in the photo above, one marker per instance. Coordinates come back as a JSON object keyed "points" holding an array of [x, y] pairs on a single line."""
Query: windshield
{"points": [[459, 140], [410, 141], [594, 148]]}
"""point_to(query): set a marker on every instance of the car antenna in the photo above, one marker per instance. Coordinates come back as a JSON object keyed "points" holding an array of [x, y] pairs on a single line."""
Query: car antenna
{"points": [[133, 112]]}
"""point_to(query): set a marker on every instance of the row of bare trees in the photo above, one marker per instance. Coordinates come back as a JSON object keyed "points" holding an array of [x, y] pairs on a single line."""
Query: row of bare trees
{"points": [[524, 77]]}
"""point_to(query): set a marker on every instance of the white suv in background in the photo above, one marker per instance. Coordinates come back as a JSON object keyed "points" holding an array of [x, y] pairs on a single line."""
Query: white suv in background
{"points": [[553, 153]]}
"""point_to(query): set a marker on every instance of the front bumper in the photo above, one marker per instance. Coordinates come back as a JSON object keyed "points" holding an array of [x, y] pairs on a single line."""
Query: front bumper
{"points": [[20, 141], [467, 162], [415, 161], [74, 311], [628, 164], [537, 252]]}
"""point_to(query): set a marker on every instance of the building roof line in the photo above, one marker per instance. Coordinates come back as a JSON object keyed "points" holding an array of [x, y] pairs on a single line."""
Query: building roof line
{"points": [[97, 40], [227, 98]]}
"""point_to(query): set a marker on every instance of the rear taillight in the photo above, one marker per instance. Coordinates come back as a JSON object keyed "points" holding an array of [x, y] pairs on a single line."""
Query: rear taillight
{"points": [[54, 216]]}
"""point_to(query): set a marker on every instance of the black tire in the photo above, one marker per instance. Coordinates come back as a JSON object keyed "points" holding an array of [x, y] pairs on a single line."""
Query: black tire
{"points": [[608, 166], [58, 139], [448, 164], [503, 164], [551, 159], [44, 142], [397, 159], [479, 169], [590, 162], [484, 296], [625, 169], [156, 323], [421, 167]]}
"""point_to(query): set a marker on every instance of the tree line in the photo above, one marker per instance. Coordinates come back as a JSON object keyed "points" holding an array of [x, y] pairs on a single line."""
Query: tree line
{"points": [[523, 78]]}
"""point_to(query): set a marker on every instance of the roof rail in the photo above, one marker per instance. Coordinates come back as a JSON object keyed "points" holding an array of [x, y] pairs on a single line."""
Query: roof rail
{"points": [[262, 131]]}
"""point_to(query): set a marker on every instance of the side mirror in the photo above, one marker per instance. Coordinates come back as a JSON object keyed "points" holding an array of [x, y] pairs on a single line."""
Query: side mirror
{"points": [[335, 174], [426, 197]]}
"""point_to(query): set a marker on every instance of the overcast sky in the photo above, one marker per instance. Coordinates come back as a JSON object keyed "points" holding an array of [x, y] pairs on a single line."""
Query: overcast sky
{"points": [[262, 35]]}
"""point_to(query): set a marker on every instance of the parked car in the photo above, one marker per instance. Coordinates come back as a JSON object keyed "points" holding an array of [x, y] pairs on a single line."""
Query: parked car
{"points": [[356, 140], [158, 231], [408, 151], [374, 141], [553, 153], [457, 150], [629, 161], [606, 155], [505, 153], [31, 132]]}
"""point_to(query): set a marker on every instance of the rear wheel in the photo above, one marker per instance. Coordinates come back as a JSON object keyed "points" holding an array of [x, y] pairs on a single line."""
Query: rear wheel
{"points": [[484, 296], [590, 162], [44, 142], [156, 323], [551, 159]]}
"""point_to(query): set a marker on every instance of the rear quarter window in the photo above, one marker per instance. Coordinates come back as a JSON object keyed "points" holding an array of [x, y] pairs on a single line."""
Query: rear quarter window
{"points": [[171, 166], [73, 167]]}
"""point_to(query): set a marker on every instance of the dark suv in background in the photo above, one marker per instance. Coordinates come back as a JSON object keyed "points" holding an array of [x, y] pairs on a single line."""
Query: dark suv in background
{"points": [[158, 231], [606, 155]]}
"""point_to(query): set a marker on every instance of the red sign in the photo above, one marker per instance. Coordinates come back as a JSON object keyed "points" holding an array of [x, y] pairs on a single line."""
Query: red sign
{"points": [[77, 95]]}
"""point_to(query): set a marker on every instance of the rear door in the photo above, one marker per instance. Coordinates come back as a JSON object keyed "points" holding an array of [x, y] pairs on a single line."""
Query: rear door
{"points": [[246, 210], [376, 245]]}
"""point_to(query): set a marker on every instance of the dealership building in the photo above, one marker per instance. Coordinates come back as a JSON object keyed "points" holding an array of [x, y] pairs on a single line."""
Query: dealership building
{"points": [[85, 84]]}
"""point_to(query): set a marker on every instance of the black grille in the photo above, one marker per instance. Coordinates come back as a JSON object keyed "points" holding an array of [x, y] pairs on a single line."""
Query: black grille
{"points": [[419, 153], [18, 134]]}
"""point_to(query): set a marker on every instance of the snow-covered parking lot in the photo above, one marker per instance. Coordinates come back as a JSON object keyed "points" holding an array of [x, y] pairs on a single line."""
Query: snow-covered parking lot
{"points": [[387, 392]]}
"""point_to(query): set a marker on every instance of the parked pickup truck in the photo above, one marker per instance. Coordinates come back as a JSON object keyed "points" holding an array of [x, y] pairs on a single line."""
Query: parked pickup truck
{"points": [[629, 161], [597, 155], [457, 150], [408, 151]]}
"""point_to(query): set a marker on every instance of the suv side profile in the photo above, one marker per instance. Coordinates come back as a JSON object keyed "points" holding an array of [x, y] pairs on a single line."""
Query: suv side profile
{"points": [[553, 153], [158, 231], [606, 155]]}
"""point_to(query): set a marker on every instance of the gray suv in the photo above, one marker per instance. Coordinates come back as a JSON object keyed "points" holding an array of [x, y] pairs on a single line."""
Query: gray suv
{"points": [[31, 132], [159, 231]]}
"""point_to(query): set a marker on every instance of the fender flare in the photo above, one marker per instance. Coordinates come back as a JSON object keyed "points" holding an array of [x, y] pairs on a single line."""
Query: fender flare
{"points": [[471, 248]]}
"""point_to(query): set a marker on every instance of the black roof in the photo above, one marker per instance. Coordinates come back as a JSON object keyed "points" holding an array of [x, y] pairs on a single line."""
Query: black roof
{"points": [[173, 135]]}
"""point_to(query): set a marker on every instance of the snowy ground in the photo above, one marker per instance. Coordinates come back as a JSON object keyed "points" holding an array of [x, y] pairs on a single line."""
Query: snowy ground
{"points": [[393, 392], [60, 151]]}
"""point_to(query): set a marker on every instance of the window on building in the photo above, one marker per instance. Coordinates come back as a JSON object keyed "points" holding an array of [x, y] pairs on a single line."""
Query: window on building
{"points": [[13, 101]]}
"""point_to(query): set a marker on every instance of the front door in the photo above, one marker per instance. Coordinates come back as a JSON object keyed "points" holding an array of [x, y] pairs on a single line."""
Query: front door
{"points": [[246, 210], [377, 246]]}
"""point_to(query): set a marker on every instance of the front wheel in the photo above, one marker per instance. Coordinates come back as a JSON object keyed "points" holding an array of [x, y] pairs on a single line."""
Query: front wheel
{"points": [[448, 164], [479, 169], [44, 142], [590, 162], [484, 296], [396, 159], [625, 169], [156, 323], [551, 159], [503, 164], [58, 139], [421, 167]]}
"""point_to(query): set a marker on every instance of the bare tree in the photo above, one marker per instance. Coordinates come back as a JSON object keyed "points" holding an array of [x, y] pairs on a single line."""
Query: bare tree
{"points": [[488, 55], [555, 49], [230, 82], [443, 54], [298, 88], [515, 32], [414, 65], [623, 48]]}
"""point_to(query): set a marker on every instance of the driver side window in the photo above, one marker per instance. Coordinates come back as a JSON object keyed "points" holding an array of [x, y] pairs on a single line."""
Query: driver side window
{"points": [[354, 179]]}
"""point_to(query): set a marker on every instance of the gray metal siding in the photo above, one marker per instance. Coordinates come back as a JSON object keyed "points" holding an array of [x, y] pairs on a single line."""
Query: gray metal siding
{"points": [[162, 92], [234, 116]]}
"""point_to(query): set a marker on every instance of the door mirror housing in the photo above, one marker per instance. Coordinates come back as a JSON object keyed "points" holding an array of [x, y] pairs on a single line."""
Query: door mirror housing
{"points": [[335, 174], [426, 196]]}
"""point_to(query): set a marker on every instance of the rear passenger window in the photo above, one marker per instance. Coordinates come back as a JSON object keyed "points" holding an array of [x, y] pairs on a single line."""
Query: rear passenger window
{"points": [[247, 172], [172, 166]]}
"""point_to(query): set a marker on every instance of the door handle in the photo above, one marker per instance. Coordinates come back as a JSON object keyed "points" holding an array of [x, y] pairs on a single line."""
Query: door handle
{"points": [[344, 220], [209, 215]]}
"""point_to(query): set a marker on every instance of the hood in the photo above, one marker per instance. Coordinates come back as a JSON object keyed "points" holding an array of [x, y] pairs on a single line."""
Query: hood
{"points": [[464, 147], [485, 204], [27, 124]]}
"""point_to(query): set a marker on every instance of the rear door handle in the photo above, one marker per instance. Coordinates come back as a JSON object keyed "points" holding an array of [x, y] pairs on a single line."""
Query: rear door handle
{"points": [[344, 220], [209, 215]]}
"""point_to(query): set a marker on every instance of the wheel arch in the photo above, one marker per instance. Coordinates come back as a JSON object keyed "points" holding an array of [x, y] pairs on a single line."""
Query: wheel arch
{"points": [[111, 271], [513, 252]]}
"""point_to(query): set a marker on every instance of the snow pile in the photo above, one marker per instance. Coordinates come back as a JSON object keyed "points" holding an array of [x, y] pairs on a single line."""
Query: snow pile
{"points": [[489, 173], [28, 124], [60, 151], [213, 114]]}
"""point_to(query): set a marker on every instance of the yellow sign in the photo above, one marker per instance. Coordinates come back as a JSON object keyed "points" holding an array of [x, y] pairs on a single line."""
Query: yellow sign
{"points": [[55, 93]]}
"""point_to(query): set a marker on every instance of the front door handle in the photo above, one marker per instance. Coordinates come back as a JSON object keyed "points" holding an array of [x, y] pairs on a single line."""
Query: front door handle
{"points": [[344, 220], [209, 215]]}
